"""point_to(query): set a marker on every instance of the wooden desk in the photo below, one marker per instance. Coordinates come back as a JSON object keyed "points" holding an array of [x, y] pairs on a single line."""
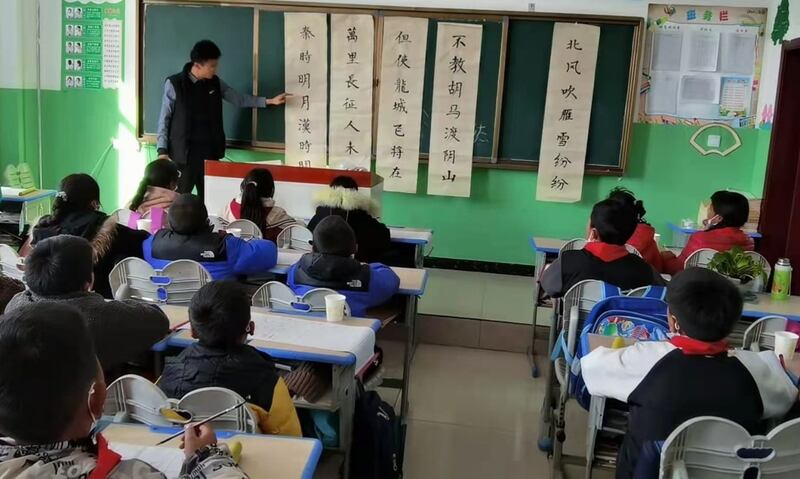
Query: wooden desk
{"points": [[789, 308], [265, 457]]}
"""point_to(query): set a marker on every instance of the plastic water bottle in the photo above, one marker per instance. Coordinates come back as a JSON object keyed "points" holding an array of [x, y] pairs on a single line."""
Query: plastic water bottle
{"points": [[782, 279]]}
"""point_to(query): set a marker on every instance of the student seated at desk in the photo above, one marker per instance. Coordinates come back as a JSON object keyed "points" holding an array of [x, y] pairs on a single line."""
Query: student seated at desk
{"points": [[220, 317], [190, 236], [344, 200], [76, 212], [59, 270], [693, 374], [333, 265], [727, 214], [604, 257], [644, 236], [157, 188], [53, 394], [255, 203]]}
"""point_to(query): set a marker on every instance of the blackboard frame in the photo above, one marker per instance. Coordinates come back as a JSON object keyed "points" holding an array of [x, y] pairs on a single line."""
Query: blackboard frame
{"points": [[379, 12]]}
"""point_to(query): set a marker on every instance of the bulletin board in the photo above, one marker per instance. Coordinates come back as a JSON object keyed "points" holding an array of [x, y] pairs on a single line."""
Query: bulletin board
{"points": [[702, 64]]}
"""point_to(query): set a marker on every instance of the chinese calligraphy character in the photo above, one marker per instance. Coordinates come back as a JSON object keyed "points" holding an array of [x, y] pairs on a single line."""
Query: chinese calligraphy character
{"points": [[395, 173], [573, 65], [569, 92], [305, 163], [455, 87], [305, 33], [352, 127], [304, 125], [350, 149], [398, 130], [305, 103], [449, 156], [691, 14], [574, 45], [454, 112], [352, 81], [451, 133], [304, 79], [558, 183], [403, 37], [352, 36], [566, 114], [400, 86], [561, 160], [723, 15], [457, 64], [480, 134], [450, 177], [563, 138], [305, 145], [707, 15], [402, 61], [351, 58], [305, 57], [458, 41], [400, 106], [350, 104], [397, 151]]}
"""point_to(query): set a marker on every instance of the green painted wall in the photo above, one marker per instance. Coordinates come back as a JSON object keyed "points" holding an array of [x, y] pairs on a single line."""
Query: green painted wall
{"points": [[18, 128]]}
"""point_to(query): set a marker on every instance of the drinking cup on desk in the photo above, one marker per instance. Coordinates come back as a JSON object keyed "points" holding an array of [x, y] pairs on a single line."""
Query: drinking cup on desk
{"points": [[334, 307], [785, 344], [144, 225], [235, 232]]}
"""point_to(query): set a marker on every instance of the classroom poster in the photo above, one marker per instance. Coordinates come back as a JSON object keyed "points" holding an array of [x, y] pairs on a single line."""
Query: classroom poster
{"points": [[455, 96], [306, 63], [567, 111], [350, 128], [400, 103], [92, 44]]}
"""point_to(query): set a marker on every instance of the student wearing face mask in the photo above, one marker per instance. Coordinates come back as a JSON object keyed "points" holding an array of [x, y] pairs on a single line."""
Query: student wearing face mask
{"points": [[726, 216]]}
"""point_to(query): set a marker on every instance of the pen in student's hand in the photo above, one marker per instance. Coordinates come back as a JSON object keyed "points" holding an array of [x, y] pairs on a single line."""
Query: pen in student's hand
{"points": [[204, 421]]}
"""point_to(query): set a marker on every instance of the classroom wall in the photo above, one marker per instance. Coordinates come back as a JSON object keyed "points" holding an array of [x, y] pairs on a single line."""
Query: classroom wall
{"points": [[94, 132]]}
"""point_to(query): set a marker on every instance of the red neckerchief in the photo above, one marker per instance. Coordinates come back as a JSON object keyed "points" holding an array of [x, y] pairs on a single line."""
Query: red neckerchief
{"points": [[605, 251], [107, 459], [236, 209], [695, 347]]}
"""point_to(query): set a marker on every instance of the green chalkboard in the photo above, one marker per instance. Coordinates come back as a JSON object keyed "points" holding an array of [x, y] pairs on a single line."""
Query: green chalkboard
{"points": [[271, 78], [491, 42], [527, 69], [170, 31]]}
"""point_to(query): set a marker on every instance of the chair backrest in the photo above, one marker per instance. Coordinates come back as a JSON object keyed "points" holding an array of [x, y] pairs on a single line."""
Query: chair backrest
{"points": [[760, 336], [275, 296], [715, 448], [11, 263], [122, 215], [218, 223], [295, 237], [760, 284], [315, 298], [134, 278], [581, 297], [132, 398], [700, 258], [205, 402], [249, 229], [573, 244]]}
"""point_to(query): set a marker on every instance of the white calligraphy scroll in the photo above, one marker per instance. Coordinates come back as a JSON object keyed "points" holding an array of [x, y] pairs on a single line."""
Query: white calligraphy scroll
{"points": [[400, 106], [306, 60], [352, 48], [567, 111], [455, 94]]}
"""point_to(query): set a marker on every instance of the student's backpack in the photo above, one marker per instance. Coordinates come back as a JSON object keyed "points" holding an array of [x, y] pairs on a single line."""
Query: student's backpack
{"points": [[639, 318], [377, 442]]}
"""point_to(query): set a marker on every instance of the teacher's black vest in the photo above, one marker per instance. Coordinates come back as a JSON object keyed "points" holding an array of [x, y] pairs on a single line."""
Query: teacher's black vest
{"points": [[196, 119]]}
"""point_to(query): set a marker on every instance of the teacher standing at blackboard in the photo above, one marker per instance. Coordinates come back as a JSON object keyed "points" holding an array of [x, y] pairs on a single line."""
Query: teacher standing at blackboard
{"points": [[190, 128]]}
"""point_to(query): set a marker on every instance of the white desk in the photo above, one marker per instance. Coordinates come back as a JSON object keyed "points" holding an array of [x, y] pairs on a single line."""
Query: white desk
{"points": [[789, 308], [263, 457]]}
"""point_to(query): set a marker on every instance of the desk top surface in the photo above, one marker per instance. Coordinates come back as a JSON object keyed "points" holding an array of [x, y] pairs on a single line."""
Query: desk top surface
{"points": [[765, 306]]}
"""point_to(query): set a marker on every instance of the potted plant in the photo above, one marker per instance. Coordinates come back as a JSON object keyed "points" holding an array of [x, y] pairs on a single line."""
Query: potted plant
{"points": [[742, 269]]}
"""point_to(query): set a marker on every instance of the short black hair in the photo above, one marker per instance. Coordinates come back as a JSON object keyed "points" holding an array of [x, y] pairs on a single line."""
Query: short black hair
{"points": [[334, 236], [705, 303], [59, 265], [219, 314], [344, 181], [626, 196], [49, 364], [614, 221], [188, 215], [205, 50], [732, 207]]}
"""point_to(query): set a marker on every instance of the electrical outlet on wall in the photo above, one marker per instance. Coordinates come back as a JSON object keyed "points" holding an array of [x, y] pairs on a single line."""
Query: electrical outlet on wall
{"points": [[713, 141]]}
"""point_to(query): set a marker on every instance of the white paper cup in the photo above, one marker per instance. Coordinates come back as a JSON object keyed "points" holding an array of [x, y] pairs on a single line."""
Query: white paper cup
{"points": [[144, 225], [785, 344], [334, 307], [235, 232]]}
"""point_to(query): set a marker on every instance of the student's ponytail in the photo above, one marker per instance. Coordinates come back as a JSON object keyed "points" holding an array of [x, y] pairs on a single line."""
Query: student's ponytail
{"points": [[256, 186], [138, 199], [161, 173]]}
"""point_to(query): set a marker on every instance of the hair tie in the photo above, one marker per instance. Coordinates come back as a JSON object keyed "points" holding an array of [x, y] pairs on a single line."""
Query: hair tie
{"points": [[251, 183], [62, 195]]}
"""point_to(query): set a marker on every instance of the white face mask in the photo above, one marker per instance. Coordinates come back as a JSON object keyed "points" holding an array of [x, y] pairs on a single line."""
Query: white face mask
{"points": [[713, 221]]}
